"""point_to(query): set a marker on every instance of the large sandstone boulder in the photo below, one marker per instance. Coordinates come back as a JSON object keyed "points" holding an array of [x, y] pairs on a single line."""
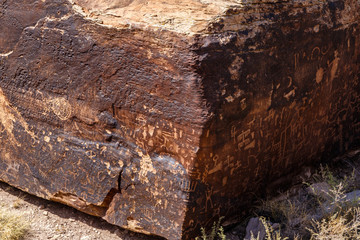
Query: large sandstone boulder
{"points": [[162, 116]]}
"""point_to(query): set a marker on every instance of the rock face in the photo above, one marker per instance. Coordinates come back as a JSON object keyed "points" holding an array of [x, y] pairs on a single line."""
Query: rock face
{"points": [[162, 116]]}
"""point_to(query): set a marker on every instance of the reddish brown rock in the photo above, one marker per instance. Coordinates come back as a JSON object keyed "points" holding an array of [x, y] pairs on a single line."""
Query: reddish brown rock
{"points": [[161, 116]]}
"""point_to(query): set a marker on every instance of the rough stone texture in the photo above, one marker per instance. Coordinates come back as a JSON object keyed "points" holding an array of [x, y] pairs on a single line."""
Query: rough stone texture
{"points": [[161, 116]]}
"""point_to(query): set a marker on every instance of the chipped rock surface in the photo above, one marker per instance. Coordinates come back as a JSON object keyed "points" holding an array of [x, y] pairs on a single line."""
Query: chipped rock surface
{"points": [[162, 116]]}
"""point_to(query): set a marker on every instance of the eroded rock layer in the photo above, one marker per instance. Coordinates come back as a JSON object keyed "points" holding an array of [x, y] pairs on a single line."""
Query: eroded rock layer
{"points": [[161, 117]]}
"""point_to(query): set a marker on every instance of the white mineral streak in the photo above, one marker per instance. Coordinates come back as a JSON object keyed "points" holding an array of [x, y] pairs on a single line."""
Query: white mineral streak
{"points": [[6, 54]]}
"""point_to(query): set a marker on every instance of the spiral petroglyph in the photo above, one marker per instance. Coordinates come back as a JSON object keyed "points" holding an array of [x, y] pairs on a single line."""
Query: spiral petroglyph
{"points": [[61, 108]]}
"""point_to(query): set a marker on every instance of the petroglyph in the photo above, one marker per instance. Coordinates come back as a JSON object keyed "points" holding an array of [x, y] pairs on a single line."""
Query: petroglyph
{"points": [[319, 75], [146, 167], [61, 108], [8, 117], [334, 66]]}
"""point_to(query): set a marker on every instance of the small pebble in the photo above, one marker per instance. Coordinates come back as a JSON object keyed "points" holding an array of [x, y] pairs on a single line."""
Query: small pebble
{"points": [[117, 232]]}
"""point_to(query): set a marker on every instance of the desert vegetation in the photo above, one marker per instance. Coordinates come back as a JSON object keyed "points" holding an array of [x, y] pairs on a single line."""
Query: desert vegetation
{"points": [[325, 207], [13, 225]]}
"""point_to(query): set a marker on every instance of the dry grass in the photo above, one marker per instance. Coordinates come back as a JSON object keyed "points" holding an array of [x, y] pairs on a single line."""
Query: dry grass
{"points": [[270, 234], [17, 203], [216, 233], [327, 207], [314, 216], [338, 226], [294, 215], [13, 226]]}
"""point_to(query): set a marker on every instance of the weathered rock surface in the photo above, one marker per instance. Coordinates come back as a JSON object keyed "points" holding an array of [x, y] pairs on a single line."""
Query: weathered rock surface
{"points": [[161, 116]]}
